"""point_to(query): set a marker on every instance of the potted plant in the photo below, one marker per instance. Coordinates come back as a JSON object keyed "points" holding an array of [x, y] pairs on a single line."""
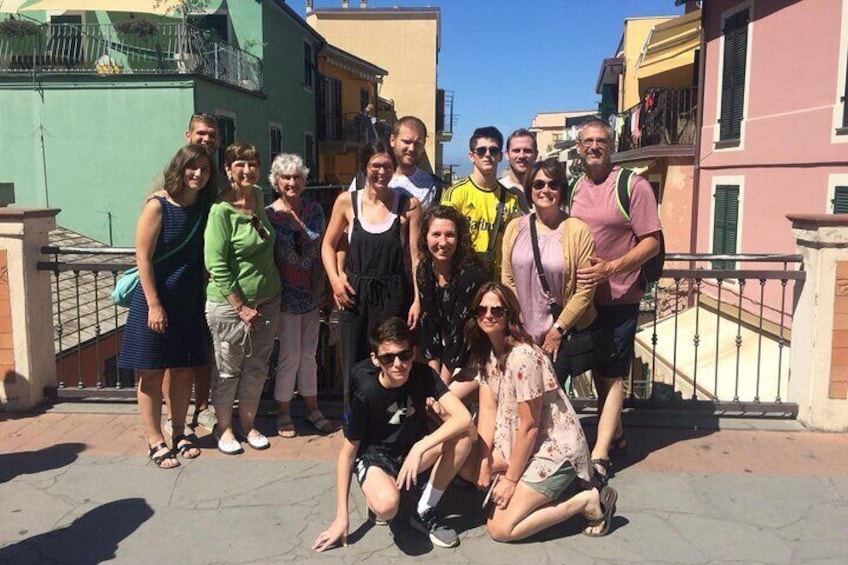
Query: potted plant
{"points": [[142, 27], [18, 28]]}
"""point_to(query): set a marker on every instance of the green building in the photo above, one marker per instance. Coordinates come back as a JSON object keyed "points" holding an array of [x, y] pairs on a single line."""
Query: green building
{"points": [[93, 104]]}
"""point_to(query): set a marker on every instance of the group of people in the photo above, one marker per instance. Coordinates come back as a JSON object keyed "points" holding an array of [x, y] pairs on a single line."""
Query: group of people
{"points": [[222, 276], [460, 300], [452, 301]]}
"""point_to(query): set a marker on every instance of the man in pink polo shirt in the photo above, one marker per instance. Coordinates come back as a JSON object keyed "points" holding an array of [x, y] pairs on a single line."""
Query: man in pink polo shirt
{"points": [[622, 246]]}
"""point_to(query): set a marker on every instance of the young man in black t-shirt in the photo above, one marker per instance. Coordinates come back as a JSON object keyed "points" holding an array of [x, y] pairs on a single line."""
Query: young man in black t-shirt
{"points": [[386, 441]]}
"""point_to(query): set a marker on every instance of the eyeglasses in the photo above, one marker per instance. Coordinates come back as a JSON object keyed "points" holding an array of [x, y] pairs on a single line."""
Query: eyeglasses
{"points": [[497, 312], [601, 141], [539, 184], [256, 224], [381, 167], [492, 150], [389, 358]]}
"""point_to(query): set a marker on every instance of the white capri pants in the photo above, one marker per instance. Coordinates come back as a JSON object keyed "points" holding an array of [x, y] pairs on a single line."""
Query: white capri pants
{"points": [[298, 336]]}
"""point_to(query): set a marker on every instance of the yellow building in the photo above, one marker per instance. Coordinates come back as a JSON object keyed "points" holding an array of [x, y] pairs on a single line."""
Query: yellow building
{"points": [[347, 102], [405, 42]]}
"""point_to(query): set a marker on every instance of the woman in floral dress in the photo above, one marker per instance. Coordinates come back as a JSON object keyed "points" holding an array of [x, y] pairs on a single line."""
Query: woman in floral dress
{"points": [[532, 446]]}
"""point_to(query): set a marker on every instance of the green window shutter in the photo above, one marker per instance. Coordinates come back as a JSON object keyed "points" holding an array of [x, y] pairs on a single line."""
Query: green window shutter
{"points": [[840, 200], [733, 75], [725, 223]]}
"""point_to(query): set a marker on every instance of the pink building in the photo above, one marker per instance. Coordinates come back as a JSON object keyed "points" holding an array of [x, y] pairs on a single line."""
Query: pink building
{"points": [[774, 124]]}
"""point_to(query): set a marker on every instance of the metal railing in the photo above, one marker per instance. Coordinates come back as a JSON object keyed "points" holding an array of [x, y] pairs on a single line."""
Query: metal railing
{"points": [[356, 128], [444, 112], [707, 337], [665, 117], [104, 50]]}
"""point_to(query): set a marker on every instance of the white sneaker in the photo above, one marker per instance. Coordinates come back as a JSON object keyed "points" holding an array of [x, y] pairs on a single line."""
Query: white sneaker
{"points": [[258, 441]]}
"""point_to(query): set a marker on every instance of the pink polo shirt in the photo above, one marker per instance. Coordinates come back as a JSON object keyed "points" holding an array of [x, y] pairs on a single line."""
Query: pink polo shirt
{"points": [[597, 205]]}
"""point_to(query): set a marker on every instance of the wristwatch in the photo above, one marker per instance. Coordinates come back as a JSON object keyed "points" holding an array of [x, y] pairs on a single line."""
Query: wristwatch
{"points": [[559, 328]]}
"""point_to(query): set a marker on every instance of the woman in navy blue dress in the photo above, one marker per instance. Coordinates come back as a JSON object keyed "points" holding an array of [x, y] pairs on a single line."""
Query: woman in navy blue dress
{"points": [[166, 327]]}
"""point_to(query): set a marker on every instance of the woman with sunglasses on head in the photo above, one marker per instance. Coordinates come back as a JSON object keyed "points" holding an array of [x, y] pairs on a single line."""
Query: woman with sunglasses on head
{"points": [[380, 224], [298, 226], [242, 297], [531, 446], [562, 245], [165, 329], [448, 277]]}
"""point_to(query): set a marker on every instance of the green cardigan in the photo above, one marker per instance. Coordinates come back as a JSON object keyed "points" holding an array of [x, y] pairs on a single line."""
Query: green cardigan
{"points": [[237, 258]]}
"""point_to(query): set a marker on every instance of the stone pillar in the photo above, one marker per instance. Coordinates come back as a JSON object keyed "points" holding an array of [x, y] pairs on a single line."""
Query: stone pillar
{"points": [[818, 381], [27, 356]]}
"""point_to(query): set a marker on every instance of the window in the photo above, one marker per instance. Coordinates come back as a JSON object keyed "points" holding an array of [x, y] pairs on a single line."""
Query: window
{"points": [[308, 66], [364, 99], [839, 202], [845, 98], [226, 133], [309, 154], [65, 40], [725, 222], [733, 76], [275, 141], [330, 109]]}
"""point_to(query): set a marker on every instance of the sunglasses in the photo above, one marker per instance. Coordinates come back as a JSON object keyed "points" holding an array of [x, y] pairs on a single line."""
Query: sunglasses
{"points": [[497, 312], [389, 358], [256, 224], [539, 184], [492, 150]]}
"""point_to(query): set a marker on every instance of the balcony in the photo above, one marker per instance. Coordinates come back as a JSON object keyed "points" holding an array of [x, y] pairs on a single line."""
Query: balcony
{"points": [[444, 114], [101, 49], [663, 124], [351, 129]]}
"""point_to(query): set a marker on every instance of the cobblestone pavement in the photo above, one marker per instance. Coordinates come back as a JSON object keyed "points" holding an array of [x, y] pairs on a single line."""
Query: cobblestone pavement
{"points": [[76, 488]]}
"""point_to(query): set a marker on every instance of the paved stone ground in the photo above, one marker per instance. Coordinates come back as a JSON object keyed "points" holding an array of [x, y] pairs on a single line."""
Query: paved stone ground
{"points": [[76, 488]]}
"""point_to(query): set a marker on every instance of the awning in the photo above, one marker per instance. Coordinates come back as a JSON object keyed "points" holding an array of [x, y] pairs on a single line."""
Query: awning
{"points": [[165, 8], [13, 6], [670, 45], [610, 70], [715, 333]]}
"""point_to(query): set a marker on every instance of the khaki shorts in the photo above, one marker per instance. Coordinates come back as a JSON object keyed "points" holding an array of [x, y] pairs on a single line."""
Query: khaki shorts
{"points": [[553, 486]]}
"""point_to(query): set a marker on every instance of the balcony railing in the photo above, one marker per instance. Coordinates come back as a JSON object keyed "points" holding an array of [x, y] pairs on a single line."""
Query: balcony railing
{"points": [[665, 117], [708, 339], [444, 113], [354, 128], [103, 50]]}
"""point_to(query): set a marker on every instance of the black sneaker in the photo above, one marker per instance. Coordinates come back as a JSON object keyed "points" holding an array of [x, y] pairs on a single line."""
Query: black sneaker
{"points": [[376, 521], [431, 524]]}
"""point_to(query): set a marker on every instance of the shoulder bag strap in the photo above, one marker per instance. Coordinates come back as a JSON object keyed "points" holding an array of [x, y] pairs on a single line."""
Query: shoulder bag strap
{"points": [[534, 240], [490, 252], [623, 191], [186, 240]]}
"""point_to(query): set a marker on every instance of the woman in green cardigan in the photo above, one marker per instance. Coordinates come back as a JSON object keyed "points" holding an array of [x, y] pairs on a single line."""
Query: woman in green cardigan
{"points": [[242, 297]]}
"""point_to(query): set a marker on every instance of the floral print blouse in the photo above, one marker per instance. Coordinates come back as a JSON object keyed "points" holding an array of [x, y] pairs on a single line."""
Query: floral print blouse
{"points": [[529, 374]]}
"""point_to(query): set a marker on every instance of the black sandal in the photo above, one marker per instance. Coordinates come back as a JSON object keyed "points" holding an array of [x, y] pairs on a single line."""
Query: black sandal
{"points": [[166, 456], [184, 449], [618, 446], [609, 497], [603, 472]]}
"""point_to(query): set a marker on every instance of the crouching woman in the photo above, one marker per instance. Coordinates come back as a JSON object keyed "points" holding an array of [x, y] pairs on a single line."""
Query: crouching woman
{"points": [[532, 446]]}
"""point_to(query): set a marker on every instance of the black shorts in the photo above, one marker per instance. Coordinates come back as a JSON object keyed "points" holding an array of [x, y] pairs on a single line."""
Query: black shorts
{"points": [[622, 320], [371, 457]]}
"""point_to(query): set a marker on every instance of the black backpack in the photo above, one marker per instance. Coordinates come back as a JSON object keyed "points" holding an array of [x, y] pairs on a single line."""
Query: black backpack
{"points": [[653, 267]]}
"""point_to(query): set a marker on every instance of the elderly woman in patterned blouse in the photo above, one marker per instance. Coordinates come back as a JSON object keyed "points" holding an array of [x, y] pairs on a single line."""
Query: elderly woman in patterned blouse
{"points": [[298, 225], [531, 447]]}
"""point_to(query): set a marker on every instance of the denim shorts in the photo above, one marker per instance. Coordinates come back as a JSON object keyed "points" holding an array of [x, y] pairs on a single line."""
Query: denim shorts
{"points": [[622, 320]]}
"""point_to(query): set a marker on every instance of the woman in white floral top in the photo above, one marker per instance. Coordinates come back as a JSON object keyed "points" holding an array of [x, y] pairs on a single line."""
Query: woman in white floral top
{"points": [[532, 445]]}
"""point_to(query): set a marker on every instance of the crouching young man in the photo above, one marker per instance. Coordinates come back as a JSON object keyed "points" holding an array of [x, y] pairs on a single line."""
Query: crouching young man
{"points": [[386, 443]]}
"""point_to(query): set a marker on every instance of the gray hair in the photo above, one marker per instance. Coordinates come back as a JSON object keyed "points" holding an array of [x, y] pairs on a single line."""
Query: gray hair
{"points": [[287, 164], [596, 122]]}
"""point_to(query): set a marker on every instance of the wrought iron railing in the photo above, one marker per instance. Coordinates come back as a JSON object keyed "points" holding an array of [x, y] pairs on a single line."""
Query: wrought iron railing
{"points": [[707, 337], [665, 117], [353, 128], [102, 49]]}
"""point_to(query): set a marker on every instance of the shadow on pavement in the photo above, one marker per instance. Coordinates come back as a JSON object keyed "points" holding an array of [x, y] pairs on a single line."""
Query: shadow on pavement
{"points": [[31, 462], [91, 538]]}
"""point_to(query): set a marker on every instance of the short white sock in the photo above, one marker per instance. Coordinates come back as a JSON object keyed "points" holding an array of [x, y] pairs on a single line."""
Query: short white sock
{"points": [[429, 498]]}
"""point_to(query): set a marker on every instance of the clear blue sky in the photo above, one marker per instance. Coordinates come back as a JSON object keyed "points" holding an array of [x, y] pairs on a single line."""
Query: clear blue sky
{"points": [[507, 60]]}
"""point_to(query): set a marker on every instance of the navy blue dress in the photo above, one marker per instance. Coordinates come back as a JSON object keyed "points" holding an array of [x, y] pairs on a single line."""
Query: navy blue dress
{"points": [[179, 282]]}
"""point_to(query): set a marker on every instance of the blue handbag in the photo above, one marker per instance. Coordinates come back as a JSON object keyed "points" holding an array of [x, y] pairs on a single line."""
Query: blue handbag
{"points": [[130, 280]]}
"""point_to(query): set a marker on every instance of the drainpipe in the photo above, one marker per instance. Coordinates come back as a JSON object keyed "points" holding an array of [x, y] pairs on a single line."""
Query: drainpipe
{"points": [[699, 120]]}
